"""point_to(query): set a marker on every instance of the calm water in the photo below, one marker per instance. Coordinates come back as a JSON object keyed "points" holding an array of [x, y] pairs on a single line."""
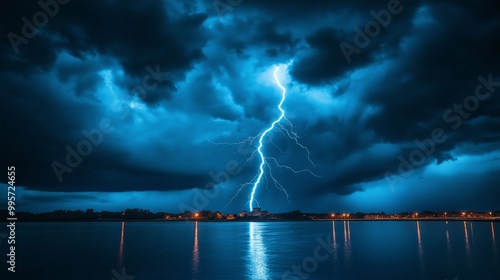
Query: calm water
{"points": [[258, 250]]}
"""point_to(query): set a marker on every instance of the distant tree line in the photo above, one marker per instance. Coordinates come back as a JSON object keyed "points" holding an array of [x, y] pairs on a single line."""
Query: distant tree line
{"points": [[89, 214], [144, 214]]}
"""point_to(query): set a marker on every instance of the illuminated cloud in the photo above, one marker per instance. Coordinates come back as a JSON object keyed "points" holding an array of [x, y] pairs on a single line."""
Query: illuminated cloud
{"points": [[208, 82]]}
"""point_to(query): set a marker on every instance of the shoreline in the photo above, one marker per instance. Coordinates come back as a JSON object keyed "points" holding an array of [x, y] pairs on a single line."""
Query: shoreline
{"points": [[494, 219]]}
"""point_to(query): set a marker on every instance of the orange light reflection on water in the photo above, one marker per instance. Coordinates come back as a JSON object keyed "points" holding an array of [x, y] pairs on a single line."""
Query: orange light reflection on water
{"points": [[196, 256], [120, 252]]}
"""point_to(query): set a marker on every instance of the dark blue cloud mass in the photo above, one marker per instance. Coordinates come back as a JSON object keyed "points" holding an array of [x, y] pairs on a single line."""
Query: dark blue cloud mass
{"points": [[156, 104]]}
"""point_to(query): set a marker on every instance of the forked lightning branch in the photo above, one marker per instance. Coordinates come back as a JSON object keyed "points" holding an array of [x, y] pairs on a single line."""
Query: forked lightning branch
{"points": [[265, 171]]}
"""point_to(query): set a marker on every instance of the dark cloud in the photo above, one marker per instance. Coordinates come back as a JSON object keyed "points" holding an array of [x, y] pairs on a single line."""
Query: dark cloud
{"points": [[92, 62]]}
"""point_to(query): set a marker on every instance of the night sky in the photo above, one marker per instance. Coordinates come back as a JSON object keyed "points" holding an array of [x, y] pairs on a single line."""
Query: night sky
{"points": [[158, 89]]}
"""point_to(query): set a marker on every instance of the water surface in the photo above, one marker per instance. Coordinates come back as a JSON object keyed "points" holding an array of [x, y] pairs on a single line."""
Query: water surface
{"points": [[257, 250]]}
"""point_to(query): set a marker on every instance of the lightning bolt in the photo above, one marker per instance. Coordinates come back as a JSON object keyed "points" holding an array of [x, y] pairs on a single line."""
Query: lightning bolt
{"points": [[287, 129], [259, 148]]}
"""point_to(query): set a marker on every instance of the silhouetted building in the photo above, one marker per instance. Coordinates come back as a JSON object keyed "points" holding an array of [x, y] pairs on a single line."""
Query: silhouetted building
{"points": [[256, 212]]}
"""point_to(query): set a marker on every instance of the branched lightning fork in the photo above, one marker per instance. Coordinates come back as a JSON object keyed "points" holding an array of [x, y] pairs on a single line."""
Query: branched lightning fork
{"points": [[247, 142], [290, 168], [259, 149], [287, 129], [263, 159]]}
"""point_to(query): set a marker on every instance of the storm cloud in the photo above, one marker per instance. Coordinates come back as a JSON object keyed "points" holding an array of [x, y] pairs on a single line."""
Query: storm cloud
{"points": [[125, 96]]}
